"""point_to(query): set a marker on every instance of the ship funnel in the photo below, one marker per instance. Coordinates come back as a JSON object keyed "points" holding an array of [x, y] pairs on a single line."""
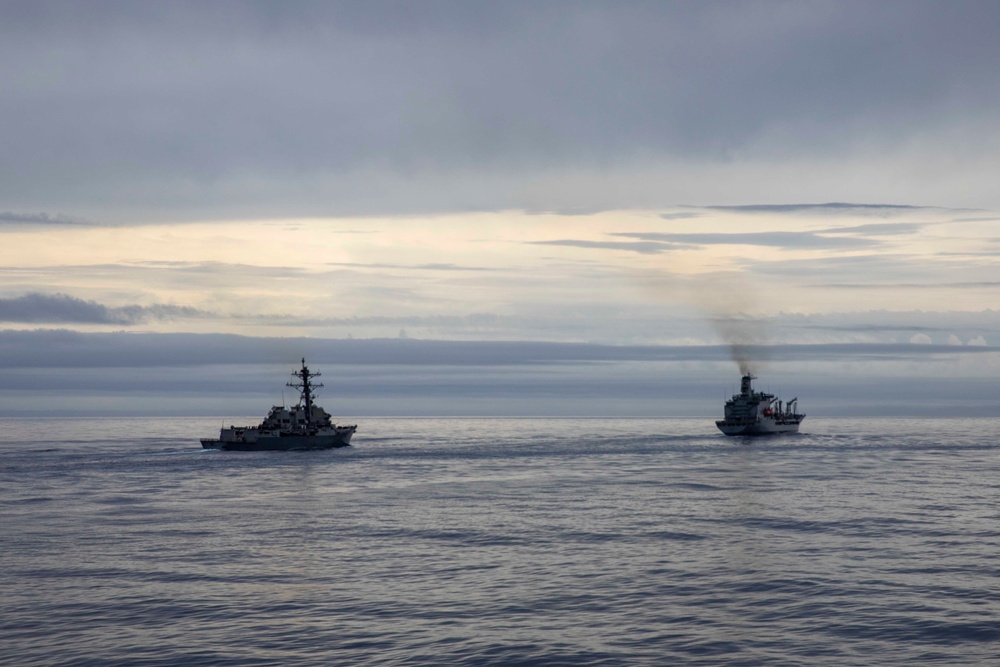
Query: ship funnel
{"points": [[745, 384]]}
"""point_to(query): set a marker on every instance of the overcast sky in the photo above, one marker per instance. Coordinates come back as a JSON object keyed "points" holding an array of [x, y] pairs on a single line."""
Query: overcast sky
{"points": [[177, 110], [626, 173]]}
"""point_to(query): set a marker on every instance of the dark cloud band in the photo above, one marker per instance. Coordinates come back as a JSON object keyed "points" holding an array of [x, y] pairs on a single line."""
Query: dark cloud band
{"points": [[36, 308]]}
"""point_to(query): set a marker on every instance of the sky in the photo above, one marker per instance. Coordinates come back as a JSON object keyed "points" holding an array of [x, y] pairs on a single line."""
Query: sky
{"points": [[567, 208]]}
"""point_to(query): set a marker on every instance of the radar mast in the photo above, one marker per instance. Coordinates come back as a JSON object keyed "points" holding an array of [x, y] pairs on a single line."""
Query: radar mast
{"points": [[305, 387]]}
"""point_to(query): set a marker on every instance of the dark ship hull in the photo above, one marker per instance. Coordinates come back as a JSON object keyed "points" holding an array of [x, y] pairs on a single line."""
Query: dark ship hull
{"points": [[284, 443], [762, 427]]}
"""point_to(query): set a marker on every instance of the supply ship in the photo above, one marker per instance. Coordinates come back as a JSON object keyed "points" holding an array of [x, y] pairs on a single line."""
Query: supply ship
{"points": [[304, 426], [757, 413]]}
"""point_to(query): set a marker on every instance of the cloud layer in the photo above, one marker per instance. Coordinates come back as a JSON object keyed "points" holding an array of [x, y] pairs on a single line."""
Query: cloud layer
{"points": [[183, 110], [622, 188], [36, 308], [64, 348], [63, 372]]}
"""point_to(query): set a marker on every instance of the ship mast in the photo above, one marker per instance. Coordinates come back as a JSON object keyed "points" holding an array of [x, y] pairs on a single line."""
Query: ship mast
{"points": [[305, 387]]}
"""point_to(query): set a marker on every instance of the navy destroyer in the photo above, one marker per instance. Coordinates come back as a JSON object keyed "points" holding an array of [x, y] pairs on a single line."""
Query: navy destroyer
{"points": [[304, 426], [757, 413]]}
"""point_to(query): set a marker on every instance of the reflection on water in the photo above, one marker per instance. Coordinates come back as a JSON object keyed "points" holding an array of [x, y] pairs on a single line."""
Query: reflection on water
{"points": [[501, 541]]}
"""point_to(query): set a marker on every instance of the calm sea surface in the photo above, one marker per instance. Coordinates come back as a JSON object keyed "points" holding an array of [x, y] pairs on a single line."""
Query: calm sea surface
{"points": [[502, 542]]}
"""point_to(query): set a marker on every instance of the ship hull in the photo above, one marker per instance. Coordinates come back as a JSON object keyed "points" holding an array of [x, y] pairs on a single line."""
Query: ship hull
{"points": [[758, 412], [761, 427], [283, 443], [301, 427]]}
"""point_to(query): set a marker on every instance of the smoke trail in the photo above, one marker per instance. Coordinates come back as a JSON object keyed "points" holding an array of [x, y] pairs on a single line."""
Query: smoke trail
{"points": [[746, 336], [729, 303]]}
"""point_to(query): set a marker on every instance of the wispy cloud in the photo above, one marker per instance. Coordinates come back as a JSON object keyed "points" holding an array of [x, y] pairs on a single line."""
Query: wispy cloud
{"points": [[830, 207], [36, 308], [976, 284], [878, 229], [680, 216], [841, 268], [42, 219], [967, 324], [650, 247], [412, 267], [770, 239]]}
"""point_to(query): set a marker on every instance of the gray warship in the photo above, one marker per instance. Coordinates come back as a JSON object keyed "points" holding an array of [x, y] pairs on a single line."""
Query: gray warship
{"points": [[757, 413], [303, 426]]}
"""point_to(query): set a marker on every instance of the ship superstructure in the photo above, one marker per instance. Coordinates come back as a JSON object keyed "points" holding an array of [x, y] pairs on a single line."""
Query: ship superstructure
{"points": [[758, 413], [303, 426]]}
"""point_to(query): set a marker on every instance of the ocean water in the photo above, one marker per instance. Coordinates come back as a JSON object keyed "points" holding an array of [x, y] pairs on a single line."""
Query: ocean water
{"points": [[502, 542]]}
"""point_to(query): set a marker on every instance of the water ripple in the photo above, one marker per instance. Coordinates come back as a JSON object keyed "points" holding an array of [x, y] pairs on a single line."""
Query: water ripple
{"points": [[502, 542]]}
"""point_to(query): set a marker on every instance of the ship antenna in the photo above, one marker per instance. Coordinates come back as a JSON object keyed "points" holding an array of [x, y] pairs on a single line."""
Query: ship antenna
{"points": [[305, 387]]}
